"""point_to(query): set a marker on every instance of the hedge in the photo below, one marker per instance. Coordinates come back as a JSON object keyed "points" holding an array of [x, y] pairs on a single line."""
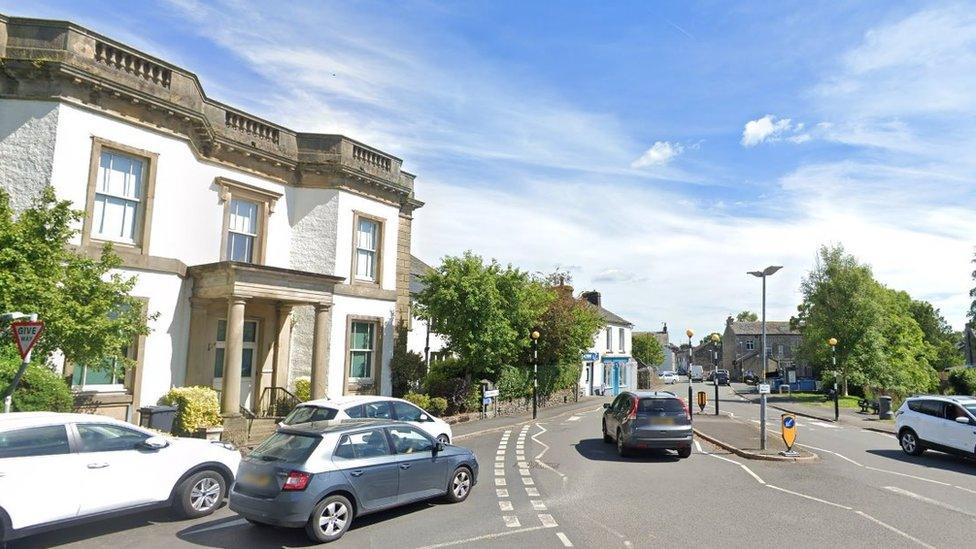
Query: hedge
{"points": [[196, 407], [963, 381], [40, 388]]}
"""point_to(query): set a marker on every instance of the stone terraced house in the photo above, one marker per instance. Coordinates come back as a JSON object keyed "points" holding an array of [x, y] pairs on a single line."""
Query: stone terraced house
{"points": [[269, 254]]}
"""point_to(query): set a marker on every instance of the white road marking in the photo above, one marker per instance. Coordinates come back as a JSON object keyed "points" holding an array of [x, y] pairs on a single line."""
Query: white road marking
{"points": [[548, 521], [524, 472], [505, 505], [698, 447], [546, 466], [830, 452], [527, 481], [511, 521], [965, 489], [744, 468], [529, 491], [538, 505], [907, 475], [573, 418], [501, 492], [810, 497], [893, 529], [930, 501], [499, 472], [562, 537], [500, 481], [484, 537], [500, 453], [824, 425]]}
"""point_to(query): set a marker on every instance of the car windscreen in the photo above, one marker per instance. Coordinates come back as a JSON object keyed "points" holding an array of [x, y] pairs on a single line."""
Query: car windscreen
{"points": [[971, 407], [286, 447], [659, 407], [308, 414]]}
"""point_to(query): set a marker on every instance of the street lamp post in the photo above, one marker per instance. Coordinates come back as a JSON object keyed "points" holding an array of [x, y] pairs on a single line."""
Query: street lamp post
{"points": [[768, 271], [690, 333], [535, 372], [715, 342], [833, 356]]}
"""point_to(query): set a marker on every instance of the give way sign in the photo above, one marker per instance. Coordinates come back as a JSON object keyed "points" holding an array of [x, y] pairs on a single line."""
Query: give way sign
{"points": [[26, 335]]}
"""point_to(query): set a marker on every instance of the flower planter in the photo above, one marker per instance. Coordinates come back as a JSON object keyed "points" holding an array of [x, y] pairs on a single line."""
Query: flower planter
{"points": [[209, 433]]}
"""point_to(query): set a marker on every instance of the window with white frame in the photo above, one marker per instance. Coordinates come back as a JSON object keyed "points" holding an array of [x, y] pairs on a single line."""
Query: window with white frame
{"points": [[119, 196], [250, 339], [367, 240], [750, 345], [362, 346], [242, 230], [107, 376], [609, 339], [623, 348]]}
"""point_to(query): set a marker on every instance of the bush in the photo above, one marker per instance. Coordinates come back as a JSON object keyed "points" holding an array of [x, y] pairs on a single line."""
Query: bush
{"points": [[514, 383], [406, 367], [420, 400], [963, 381], [196, 407], [40, 388], [446, 379], [438, 405], [303, 389]]}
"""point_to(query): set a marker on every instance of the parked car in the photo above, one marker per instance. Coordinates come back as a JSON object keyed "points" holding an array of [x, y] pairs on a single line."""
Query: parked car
{"points": [[648, 419], [721, 375], [750, 377], [943, 423], [668, 377], [57, 470], [376, 407], [697, 374], [323, 475]]}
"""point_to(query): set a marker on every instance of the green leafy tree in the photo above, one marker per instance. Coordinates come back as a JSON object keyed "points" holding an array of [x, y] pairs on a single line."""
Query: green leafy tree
{"points": [[647, 349], [484, 310], [566, 328], [86, 307], [972, 294], [746, 316], [938, 334]]}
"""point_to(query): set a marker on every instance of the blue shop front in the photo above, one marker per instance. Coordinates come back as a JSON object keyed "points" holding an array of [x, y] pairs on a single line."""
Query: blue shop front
{"points": [[608, 375]]}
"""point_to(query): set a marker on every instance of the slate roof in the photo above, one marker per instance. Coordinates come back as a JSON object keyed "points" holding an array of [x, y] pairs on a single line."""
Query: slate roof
{"points": [[661, 337], [417, 269], [608, 316], [773, 327]]}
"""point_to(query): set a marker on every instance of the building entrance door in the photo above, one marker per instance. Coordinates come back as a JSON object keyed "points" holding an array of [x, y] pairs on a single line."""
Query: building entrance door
{"points": [[248, 358]]}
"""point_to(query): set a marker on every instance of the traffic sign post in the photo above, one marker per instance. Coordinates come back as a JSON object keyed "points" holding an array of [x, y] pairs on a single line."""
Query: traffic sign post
{"points": [[788, 429], [25, 334], [702, 401], [716, 394]]}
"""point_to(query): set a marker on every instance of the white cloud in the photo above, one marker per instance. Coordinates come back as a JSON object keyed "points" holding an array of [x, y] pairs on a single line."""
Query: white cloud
{"points": [[661, 153], [616, 276], [759, 130]]}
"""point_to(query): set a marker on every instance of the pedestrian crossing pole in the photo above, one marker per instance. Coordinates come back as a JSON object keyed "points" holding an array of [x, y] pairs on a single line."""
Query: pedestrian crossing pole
{"points": [[833, 356], [535, 371], [690, 333]]}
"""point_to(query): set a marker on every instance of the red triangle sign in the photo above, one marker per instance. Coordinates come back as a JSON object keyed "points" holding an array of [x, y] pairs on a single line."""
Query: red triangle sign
{"points": [[26, 335]]}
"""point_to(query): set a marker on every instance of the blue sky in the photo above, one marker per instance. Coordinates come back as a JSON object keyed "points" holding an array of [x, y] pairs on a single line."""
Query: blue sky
{"points": [[656, 150]]}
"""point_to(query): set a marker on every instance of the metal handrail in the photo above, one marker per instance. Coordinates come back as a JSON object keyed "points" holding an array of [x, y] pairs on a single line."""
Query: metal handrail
{"points": [[277, 402]]}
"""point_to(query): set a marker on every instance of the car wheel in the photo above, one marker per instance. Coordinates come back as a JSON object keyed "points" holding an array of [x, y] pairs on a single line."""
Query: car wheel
{"points": [[684, 452], [910, 443], [606, 435], [200, 494], [621, 449], [330, 519], [460, 485], [444, 438]]}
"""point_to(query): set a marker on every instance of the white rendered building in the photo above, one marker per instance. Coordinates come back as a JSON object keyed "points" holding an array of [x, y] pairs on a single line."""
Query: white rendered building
{"points": [[285, 254], [608, 367]]}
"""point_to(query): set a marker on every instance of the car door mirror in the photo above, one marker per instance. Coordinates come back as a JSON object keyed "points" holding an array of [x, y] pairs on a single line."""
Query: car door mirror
{"points": [[154, 443], [424, 417], [438, 446], [963, 420]]}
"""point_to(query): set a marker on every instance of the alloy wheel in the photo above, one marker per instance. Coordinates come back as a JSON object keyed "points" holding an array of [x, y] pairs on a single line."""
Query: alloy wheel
{"points": [[205, 494], [461, 484], [443, 438], [908, 443], [333, 518]]}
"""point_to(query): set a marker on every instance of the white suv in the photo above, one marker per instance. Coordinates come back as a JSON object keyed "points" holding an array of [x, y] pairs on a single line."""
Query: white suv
{"points": [[355, 407], [60, 469], [944, 423]]}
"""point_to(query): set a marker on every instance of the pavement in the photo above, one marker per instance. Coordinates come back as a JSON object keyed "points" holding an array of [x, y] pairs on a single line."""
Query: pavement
{"points": [[743, 438], [785, 403], [554, 483]]}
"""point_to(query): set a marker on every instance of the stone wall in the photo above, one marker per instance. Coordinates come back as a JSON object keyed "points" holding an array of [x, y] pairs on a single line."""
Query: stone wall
{"points": [[511, 407]]}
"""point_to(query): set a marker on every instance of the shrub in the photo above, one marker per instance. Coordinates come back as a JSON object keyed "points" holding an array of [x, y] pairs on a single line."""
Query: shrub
{"points": [[196, 407], [438, 405], [419, 399], [303, 389], [963, 381], [446, 379], [40, 388], [514, 383], [406, 367]]}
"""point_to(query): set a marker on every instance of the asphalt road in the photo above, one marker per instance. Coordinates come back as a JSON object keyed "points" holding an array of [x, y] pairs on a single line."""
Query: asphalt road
{"points": [[554, 483]]}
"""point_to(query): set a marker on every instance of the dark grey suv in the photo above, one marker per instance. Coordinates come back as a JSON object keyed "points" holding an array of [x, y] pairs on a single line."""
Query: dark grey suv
{"points": [[648, 419], [322, 475]]}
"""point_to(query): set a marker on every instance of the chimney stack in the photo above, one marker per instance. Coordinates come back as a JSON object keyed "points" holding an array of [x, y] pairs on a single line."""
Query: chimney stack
{"points": [[592, 296]]}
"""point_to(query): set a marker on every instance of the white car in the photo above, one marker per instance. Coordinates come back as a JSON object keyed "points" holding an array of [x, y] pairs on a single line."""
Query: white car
{"points": [[354, 407], [944, 423], [61, 469], [668, 377]]}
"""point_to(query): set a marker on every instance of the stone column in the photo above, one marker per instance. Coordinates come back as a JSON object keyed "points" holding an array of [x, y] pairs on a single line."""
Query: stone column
{"points": [[230, 399], [282, 347], [197, 371], [320, 350]]}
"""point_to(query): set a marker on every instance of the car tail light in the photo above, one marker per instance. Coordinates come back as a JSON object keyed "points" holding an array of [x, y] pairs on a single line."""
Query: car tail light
{"points": [[296, 481], [685, 406]]}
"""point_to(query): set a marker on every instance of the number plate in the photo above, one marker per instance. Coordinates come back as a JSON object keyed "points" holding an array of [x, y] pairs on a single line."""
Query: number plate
{"points": [[255, 479]]}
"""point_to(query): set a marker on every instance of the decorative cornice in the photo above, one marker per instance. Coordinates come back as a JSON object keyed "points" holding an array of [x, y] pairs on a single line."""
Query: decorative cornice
{"points": [[60, 61]]}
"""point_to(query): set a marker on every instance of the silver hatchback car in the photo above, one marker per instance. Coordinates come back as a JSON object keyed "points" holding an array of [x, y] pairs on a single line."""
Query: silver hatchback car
{"points": [[322, 475], [648, 419]]}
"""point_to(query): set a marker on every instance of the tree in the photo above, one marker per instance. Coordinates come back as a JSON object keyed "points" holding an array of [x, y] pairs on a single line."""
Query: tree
{"points": [[944, 352], [485, 311], [647, 349], [746, 316], [88, 313], [972, 294], [880, 345]]}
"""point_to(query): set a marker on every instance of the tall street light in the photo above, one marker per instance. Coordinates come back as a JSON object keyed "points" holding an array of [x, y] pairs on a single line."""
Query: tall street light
{"points": [[833, 356], [535, 371], [690, 333], [715, 343], [768, 271]]}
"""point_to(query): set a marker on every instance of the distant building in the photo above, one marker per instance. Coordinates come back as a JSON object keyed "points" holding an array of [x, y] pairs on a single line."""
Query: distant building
{"points": [[708, 355], [742, 343], [607, 366], [679, 354], [667, 363]]}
